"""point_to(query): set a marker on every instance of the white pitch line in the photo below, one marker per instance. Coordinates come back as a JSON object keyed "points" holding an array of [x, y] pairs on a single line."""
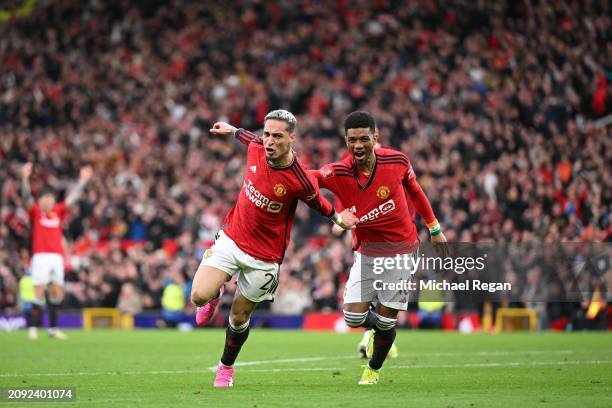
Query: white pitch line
{"points": [[433, 354], [292, 360], [289, 360], [504, 364], [300, 360], [261, 370], [105, 373], [422, 366]]}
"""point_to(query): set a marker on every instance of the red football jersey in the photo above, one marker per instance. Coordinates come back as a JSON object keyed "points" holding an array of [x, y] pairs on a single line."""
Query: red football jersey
{"points": [[260, 222], [380, 201], [338, 204], [339, 207], [47, 229]]}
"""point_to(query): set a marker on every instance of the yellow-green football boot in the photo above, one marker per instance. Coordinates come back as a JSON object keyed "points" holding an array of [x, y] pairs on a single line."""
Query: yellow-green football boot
{"points": [[369, 376]]}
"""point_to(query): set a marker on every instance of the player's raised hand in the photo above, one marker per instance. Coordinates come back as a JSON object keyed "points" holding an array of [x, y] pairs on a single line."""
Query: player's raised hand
{"points": [[440, 245], [26, 171], [85, 174], [222, 129], [349, 220]]}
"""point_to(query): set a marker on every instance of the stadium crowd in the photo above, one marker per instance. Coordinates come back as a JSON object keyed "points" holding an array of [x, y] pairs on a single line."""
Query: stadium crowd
{"points": [[495, 103]]}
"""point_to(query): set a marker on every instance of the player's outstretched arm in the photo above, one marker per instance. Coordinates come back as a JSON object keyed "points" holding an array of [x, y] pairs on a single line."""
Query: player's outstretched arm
{"points": [[423, 207], [314, 199], [84, 176], [337, 229], [26, 191], [243, 136]]}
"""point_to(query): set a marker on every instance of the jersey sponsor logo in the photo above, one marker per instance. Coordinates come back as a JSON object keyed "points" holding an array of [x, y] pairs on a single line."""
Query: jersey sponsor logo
{"points": [[50, 222], [383, 192], [274, 206], [261, 200], [280, 190], [382, 209], [253, 169]]}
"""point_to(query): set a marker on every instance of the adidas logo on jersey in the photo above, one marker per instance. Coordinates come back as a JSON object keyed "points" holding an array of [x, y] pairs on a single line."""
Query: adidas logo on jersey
{"points": [[253, 169]]}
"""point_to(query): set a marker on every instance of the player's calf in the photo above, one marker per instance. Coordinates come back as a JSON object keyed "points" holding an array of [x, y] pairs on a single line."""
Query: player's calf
{"points": [[53, 304], [235, 336], [55, 297], [35, 317], [384, 336]]}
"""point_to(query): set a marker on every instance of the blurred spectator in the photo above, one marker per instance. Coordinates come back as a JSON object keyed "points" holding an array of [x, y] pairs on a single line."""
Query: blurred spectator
{"points": [[173, 298], [129, 302], [291, 298]]}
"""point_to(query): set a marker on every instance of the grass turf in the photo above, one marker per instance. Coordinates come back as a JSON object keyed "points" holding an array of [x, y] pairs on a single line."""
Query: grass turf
{"points": [[295, 368]]}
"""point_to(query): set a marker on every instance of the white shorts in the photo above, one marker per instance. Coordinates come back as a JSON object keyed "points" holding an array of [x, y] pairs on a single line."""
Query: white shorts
{"points": [[362, 286], [47, 268], [258, 279]]}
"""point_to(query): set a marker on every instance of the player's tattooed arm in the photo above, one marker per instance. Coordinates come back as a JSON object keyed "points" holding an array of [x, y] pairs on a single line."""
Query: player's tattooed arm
{"points": [[242, 135], [26, 191], [84, 176], [223, 129]]}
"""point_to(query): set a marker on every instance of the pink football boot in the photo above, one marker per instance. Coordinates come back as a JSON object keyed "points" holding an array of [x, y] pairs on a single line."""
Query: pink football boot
{"points": [[225, 376], [204, 313]]}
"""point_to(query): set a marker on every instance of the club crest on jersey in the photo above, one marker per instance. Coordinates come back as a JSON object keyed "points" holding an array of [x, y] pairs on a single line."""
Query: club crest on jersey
{"points": [[279, 190], [326, 172], [383, 192], [208, 253]]}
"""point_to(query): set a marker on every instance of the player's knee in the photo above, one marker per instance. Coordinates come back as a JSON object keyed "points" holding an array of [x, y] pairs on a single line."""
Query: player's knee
{"points": [[385, 323], [239, 319], [200, 296], [353, 319]]}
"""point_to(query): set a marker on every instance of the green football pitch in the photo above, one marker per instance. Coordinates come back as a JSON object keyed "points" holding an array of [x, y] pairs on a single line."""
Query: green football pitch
{"points": [[295, 368]]}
